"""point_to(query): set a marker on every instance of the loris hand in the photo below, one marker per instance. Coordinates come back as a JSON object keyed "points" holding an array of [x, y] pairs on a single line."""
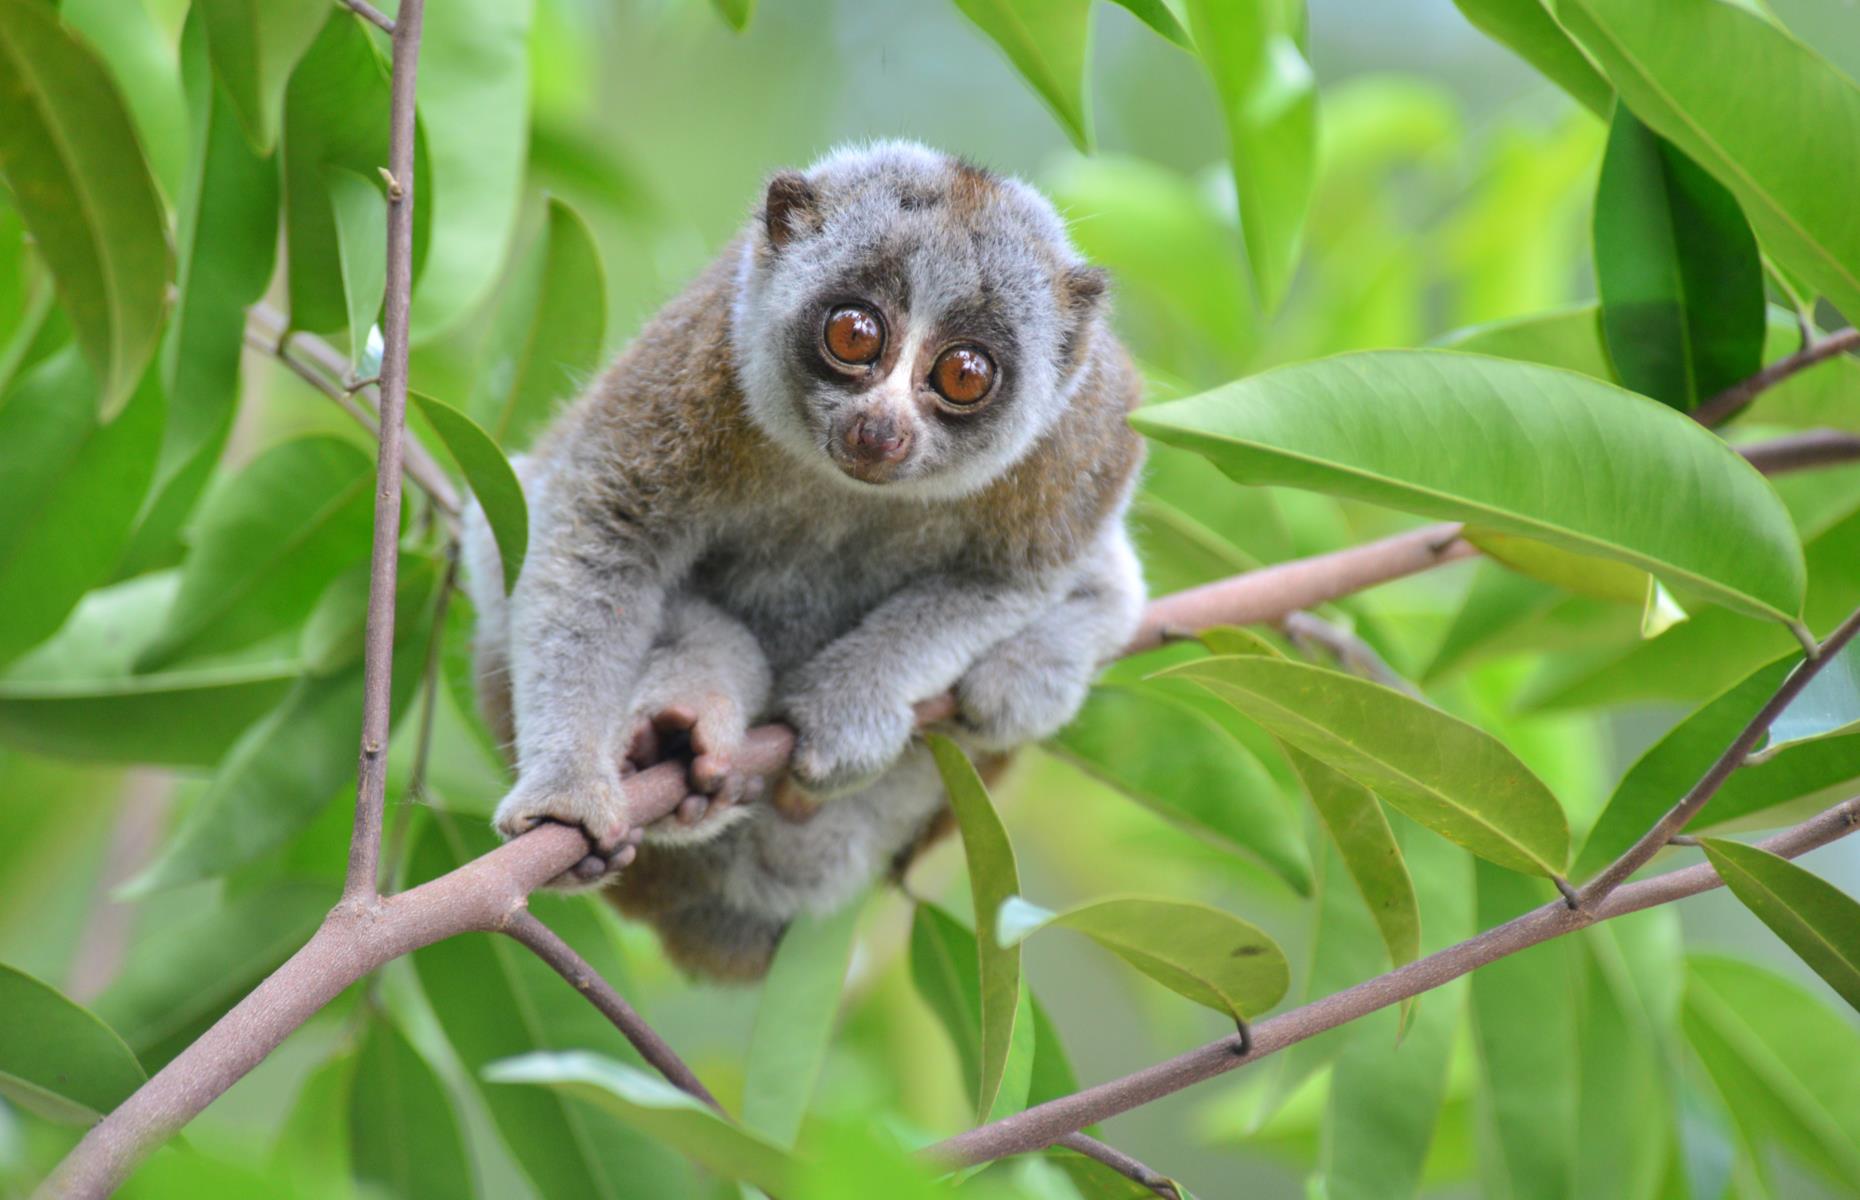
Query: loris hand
{"points": [[845, 736], [592, 801], [704, 738]]}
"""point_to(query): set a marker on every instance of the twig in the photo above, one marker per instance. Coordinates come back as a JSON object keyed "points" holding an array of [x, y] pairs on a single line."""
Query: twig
{"points": [[369, 13], [1734, 399], [361, 882], [1799, 452], [1352, 653], [549, 947], [1122, 1163], [1045, 1124], [1734, 756]]}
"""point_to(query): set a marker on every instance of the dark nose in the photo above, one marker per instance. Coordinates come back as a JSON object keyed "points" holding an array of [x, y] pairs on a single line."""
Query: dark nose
{"points": [[876, 437]]}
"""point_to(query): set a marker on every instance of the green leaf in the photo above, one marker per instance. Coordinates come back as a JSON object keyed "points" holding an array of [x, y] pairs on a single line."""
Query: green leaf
{"points": [[1734, 92], [547, 336], [77, 176], [1786, 1064], [1524, 1023], [1669, 768], [794, 1022], [227, 233], [1158, 16], [993, 878], [140, 57], [76, 695], [1353, 818], [495, 1000], [1582, 574], [736, 12], [254, 45], [1828, 706], [1452, 777], [1813, 917], [73, 487], [1494, 442], [492, 481], [1049, 43], [475, 115], [361, 219], [659, 1110], [403, 1135], [1528, 29], [1196, 951], [1254, 52], [1498, 603], [1181, 764], [311, 1152], [1677, 270], [182, 974], [266, 545], [58, 1059]]}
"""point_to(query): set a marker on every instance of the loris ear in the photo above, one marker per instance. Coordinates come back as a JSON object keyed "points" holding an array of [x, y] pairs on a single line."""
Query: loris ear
{"points": [[1084, 289], [792, 208]]}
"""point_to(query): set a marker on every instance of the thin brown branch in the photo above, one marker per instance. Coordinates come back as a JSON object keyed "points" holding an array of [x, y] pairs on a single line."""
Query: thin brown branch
{"points": [[1044, 1124], [362, 880], [370, 13], [1352, 653], [1802, 451], [1130, 1168], [1734, 399], [1735, 755], [549, 946]]}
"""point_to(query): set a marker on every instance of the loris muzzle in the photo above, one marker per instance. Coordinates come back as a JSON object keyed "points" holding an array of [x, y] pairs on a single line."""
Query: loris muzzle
{"points": [[876, 452]]}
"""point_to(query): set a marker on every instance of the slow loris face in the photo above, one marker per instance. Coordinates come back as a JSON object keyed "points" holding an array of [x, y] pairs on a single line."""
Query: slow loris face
{"points": [[909, 323]]}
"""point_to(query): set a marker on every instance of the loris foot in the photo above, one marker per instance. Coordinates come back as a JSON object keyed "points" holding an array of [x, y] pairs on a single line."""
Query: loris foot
{"points": [[594, 804], [703, 737]]}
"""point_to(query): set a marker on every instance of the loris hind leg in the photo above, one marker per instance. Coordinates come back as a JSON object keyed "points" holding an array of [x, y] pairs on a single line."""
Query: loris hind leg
{"points": [[1028, 686]]}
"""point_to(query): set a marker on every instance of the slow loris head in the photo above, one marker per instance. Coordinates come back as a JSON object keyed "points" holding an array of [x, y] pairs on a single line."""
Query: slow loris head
{"points": [[906, 323]]}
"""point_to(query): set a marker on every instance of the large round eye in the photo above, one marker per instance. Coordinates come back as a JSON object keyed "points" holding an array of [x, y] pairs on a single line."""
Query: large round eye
{"points": [[963, 376], [854, 335]]}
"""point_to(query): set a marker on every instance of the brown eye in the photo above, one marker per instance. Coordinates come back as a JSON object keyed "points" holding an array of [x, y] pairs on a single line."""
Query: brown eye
{"points": [[854, 334], [963, 375]]}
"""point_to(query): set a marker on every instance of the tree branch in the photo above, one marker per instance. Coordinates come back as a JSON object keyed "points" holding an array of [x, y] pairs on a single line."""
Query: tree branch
{"points": [[1045, 1124], [1122, 1163], [1799, 452], [362, 881], [1734, 399], [369, 13]]}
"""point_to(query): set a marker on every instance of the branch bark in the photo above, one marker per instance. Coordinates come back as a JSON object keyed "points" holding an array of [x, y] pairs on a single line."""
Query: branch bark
{"points": [[1734, 399]]}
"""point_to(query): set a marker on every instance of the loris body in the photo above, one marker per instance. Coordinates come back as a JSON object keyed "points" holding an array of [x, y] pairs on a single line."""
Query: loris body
{"points": [[877, 451]]}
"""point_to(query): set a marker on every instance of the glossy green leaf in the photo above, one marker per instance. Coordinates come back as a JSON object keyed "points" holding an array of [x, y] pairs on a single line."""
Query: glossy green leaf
{"points": [[1183, 765], [1254, 52], [1452, 777], [361, 217], [56, 1058], [657, 1109], [1814, 918], [1353, 818], [1158, 16], [1049, 43], [493, 482], [76, 695], [1527, 28], [1582, 574], [266, 545], [1734, 92], [180, 975], [1677, 270], [227, 236], [403, 1135], [1494, 442], [73, 487], [1198, 952], [794, 1022], [495, 1001], [1627, 1015], [1786, 1064], [1828, 706], [736, 12], [993, 878], [140, 56], [1669, 768], [547, 336], [475, 115], [1524, 1023], [336, 115], [77, 176], [254, 45]]}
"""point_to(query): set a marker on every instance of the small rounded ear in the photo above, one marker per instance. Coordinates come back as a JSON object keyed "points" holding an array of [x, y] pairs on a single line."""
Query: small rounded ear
{"points": [[1084, 288], [790, 209]]}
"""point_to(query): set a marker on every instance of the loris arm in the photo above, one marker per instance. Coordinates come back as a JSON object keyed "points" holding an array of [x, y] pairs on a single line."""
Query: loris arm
{"points": [[851, 703]]}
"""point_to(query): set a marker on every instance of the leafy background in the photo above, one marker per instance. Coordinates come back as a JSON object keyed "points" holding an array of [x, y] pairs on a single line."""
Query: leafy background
{"points": [[183, 587]]}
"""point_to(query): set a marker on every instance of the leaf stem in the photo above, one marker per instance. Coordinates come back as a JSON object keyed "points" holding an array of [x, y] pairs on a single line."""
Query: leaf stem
{"points": [[1736, 398]]}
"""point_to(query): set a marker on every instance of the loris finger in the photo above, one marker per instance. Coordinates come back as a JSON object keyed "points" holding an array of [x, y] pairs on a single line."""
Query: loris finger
{"points": [[643, 745], [794, 802], [710, 773], [692, 808]]}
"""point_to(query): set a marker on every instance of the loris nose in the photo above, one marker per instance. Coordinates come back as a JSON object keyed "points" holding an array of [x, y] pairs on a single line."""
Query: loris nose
{"points": [[877, 437]]}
